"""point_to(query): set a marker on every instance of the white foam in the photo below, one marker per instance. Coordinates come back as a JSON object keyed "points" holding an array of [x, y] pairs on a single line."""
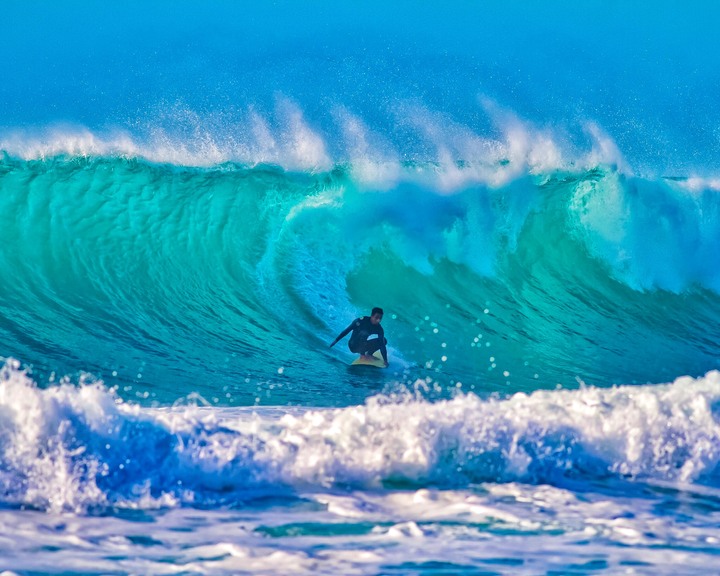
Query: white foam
{"points": [[66, 448], [474, 528], [483, 473], [658, 431]]}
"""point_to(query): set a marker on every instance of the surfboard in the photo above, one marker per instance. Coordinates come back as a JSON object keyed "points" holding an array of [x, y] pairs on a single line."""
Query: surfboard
{"points": [[376, 362]]}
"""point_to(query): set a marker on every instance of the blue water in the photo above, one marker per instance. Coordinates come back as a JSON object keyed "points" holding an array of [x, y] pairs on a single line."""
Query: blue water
{"points": [[195, 200]]}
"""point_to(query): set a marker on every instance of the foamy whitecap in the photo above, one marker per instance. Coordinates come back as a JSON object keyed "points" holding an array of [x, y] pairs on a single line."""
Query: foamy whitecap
{"points": [[72, 447]]}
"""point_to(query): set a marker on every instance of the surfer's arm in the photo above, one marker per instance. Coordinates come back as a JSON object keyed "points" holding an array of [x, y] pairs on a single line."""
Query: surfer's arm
{"points": [[343, 334]]}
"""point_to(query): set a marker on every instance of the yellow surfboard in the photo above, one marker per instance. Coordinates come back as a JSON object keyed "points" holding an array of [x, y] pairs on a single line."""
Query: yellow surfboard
{"points": [[376, 361]]}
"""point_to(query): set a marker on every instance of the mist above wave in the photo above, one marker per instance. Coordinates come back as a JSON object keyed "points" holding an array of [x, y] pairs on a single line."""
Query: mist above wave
{"points": [[455, 154]]}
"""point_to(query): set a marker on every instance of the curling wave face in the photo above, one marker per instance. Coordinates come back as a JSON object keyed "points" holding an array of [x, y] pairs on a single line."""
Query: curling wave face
{"points": [[166, 280]]}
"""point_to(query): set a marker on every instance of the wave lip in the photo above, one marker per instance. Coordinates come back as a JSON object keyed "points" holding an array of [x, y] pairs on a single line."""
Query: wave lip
{"points": [[79, 447], [454, 154]]}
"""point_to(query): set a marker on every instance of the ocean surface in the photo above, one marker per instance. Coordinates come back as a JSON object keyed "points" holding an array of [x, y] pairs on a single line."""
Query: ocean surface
{"points": [[196, 198]]}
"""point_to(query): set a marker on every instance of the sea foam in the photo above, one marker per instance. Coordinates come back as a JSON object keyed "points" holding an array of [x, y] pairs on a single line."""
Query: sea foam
{"points": [[78, 447]]}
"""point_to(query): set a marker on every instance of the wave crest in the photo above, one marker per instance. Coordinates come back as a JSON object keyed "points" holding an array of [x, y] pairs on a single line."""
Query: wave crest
{"points": [[461, 155]]}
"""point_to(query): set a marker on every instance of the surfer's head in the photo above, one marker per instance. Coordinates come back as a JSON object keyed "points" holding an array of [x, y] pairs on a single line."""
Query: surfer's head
{"points": [[376, 315]]}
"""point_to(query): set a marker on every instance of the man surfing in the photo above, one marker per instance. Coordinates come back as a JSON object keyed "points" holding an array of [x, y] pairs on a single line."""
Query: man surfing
{"points": [[361, 329]]}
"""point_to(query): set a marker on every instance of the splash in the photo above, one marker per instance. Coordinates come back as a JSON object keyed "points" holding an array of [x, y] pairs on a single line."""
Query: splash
{"points": [[75, 447]]}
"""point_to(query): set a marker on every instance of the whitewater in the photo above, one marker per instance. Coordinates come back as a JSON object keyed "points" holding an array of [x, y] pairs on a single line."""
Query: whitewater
{"points": [[195, 200]]}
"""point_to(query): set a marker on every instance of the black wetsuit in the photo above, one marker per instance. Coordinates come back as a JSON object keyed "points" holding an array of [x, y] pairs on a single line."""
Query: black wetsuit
{"points": [[362, 329]]}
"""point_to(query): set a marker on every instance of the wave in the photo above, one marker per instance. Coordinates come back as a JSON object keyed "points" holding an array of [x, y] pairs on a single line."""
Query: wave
{"points": [[159, 274], [80, 448]]}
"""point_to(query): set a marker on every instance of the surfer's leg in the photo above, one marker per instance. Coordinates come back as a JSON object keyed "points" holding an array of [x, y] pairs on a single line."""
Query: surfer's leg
{"points": [[367, 352], [372, 346], [360, 348]]}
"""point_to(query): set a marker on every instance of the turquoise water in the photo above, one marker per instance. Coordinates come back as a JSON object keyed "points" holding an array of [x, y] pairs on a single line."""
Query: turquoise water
{"points": [[172, 280], [194, 201]]}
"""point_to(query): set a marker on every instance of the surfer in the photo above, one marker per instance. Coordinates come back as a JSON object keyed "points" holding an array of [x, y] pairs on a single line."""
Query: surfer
{"points": [[360, 341]]}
